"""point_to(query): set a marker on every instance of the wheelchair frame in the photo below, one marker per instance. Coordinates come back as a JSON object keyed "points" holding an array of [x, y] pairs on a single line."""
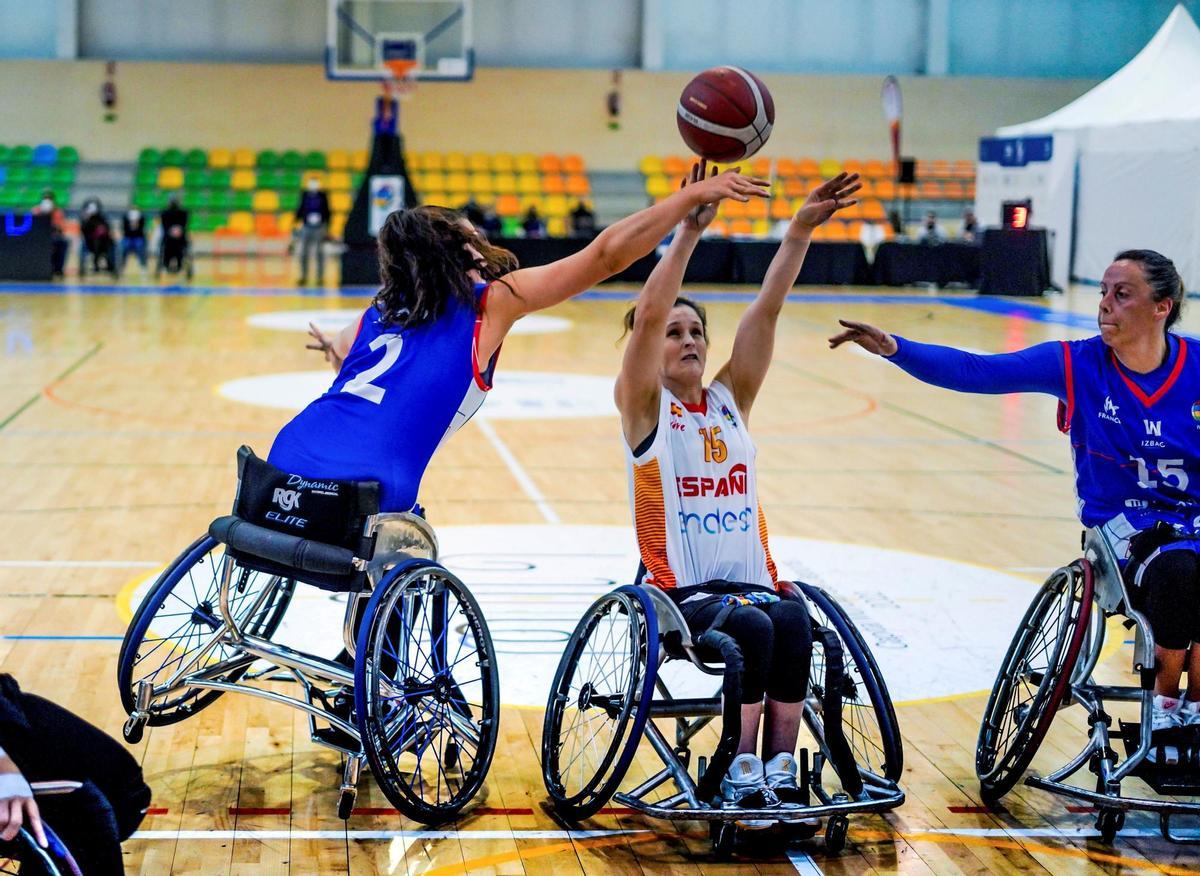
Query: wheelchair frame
{"points": [[1105, 587], [409, 554], [56, 859], [871, 793]]}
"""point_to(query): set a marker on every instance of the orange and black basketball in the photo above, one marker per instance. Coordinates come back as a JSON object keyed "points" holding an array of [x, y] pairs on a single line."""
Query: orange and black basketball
{"points": [[725, 114]]}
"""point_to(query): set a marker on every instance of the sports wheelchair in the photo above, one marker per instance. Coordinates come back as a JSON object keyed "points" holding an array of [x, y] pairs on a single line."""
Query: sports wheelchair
{"points": [[1049, 666], [603, 701], [23, 855], [416, 694]]}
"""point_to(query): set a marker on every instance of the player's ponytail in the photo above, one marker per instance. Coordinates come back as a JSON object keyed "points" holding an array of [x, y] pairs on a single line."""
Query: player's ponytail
{"points": [[1160, 272]]}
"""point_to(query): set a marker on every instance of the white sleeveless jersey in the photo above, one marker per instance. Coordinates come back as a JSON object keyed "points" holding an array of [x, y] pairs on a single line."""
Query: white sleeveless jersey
{"points": [[695, 497]]}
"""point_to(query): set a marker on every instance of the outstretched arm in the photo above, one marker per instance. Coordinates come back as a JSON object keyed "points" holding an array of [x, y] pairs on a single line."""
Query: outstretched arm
{"points": [[639, 385], [1035, 369], [754, 343], [334, 347]]}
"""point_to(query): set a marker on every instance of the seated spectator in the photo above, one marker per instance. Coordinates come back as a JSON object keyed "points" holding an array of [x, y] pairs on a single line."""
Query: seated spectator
{"points": [[133, 237], [473, 212], [96, 238], [491, 226], [931, 232], [583, 221], [173, 222], [44, 742], [533, 225], [58, 232], [970, 227]]}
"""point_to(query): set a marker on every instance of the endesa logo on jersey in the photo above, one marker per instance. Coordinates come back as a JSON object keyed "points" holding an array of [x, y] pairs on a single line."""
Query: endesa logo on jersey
{"points": [[716, 521], [733, 483]]}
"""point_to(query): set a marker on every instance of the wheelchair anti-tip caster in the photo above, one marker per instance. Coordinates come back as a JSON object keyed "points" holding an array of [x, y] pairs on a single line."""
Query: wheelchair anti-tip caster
{"points": [[1108, 822], [346, 803], [724, 838], [136, 723], [835, 833], [348, 792]]}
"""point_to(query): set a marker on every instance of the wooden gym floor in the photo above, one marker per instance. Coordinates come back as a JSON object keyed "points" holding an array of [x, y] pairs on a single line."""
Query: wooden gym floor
{"points": [[116, 452]]}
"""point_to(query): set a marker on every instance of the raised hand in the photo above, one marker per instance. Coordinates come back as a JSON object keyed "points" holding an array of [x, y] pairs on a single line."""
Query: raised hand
{"points": [[730, 184], [826, 199], [703, 214], [325, 345], [868, 337]]}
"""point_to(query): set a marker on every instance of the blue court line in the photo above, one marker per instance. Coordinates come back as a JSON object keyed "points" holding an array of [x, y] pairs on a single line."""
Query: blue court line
{"points": [[63, 638]]}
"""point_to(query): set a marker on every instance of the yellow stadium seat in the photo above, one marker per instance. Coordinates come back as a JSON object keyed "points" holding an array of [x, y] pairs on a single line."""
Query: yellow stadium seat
{"points": [[457, 181], [286, 221], [780, 209], [265, 201], [482, 183], [337, 159], [436, 199], [534, 201], [220, 158], [454, 161], [556, 226], [658, 186], [358, 160], [434, 182], [549, 164], [170, 178], [553, 184], [508, 205], [505, 183], [340, 202], [525, 163], [650, 165], [244, 158], [502, 162], [318, 175], [339, 181], [432, 161], [479, 162], [761, 227], [556, 205], [572, 164], [240, 223], [457, 200], [337, 225], [830, 167], [243, 180], [529, 184], [578, 185]]}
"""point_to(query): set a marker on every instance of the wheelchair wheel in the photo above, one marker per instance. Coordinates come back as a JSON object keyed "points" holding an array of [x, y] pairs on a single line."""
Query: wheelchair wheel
{"points": [[599, 702], [427, 691], [1033, 679], [868, 717], [179, 616], [24, 855]]}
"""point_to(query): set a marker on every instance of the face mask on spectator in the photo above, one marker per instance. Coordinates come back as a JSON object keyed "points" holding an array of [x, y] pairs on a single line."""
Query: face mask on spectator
{"points": [[47, 204], [135, 215], [313, 185]]}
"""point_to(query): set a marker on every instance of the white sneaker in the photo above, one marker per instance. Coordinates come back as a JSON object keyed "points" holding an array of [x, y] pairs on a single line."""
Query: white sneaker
{"points": [[1164, 716], [744, 787], [781, 771], [1189, 713]]}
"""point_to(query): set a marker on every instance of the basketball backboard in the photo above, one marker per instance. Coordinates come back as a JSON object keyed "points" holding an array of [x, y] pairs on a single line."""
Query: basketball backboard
{"points": [[379, 39]]}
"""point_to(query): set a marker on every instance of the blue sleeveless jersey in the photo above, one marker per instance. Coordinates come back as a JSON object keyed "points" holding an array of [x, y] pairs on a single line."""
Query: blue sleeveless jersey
{"points": [[399, 394], [1135, 437]]}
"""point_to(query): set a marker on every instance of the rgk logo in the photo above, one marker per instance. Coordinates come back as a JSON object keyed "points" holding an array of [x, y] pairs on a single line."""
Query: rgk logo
{"points": [[286, 499]]}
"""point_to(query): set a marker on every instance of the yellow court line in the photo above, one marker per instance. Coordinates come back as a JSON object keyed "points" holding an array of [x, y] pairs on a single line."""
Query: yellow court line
{"points": [[124, 597]]}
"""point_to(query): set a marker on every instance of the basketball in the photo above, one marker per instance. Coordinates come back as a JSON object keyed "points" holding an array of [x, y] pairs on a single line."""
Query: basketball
{"points": [[725, 114]]}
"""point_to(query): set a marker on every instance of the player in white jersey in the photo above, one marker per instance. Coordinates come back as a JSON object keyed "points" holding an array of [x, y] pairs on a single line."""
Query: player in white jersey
{"points": [[694, 492]]}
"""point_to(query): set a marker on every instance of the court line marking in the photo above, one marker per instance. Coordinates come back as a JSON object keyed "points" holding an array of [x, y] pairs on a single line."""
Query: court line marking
{"points": [[377, 834], [804, 864], [514, 467], [71, 369], [78, 564]]}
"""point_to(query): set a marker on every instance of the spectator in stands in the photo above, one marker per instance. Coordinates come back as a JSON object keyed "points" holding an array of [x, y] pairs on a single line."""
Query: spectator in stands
{"points": [[533, 225], [58, 231], [970, 226], [312, 227], [173, 247], [491, 227], [893, 218], [931, 232], [583, 221], [96, 238], [133, 237], [474, 212]]}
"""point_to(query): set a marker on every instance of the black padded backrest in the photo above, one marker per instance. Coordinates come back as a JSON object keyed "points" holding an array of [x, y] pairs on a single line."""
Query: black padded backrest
{"points": [[326, 511]]}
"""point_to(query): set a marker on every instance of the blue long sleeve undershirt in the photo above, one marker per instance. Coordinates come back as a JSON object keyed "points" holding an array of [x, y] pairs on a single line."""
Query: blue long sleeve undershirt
{"points": [[1035, 369]]}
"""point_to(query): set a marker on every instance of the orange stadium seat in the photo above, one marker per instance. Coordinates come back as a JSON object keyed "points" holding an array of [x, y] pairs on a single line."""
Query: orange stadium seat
{"points": [[266, 224], [930, 190], [756, 209], [867, 190], [578, 185], [953, 191], [760, 167], [549, 164], [808, 167], [508, 205], [676, 166], [572, 164], [873, 209], [741, 228], [852, 165], [553, 184], [781, 208], [885, 189], [786, 168], [875, 169]]}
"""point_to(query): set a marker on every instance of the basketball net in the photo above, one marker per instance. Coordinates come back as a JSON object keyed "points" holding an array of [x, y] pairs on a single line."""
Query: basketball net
{"points": [[402, 84]]}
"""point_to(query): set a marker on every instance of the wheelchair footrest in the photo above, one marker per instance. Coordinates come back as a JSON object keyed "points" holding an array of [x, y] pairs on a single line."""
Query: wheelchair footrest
{"points": [[1175, 770]]}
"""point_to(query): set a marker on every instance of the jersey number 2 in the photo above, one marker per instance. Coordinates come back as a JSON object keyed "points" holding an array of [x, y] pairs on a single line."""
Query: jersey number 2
{"points": [[361, 385]]}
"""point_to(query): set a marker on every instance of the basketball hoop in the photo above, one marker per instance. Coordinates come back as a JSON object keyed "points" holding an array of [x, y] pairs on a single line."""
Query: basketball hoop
{"points": [[402, 83]]}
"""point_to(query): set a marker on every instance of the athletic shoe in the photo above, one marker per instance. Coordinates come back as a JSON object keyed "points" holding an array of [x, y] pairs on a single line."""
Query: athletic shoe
{"points": [[1164, 716], [744, 787], [1189, 713], [780, 773]]}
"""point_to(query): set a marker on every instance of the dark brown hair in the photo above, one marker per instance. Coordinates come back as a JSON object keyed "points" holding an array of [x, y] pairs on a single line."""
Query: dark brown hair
{"points": [[423, 264], [680, 301], [1162, 276]]}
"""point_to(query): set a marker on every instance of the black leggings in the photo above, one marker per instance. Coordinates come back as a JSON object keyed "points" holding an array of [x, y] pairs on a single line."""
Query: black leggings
{"points": [[776, 642], [1169, 594], [49, 743]]}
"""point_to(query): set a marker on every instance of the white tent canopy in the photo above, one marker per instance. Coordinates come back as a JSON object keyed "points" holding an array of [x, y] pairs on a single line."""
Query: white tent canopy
{"points": [[1133, 143]]}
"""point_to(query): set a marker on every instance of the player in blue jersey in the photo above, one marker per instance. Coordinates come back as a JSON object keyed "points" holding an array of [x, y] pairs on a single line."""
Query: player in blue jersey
{"points": [[1130, 400], [418, 362]]}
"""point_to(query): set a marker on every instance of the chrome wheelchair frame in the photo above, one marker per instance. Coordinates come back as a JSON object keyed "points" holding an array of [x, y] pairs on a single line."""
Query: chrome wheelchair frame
{"points": [[662, 635], [1077, 600]]}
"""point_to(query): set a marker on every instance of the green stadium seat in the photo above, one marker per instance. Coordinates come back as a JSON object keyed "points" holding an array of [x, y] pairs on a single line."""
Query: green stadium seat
{"points": [[68, 155], [146, 176], [510, 226], [356, 181], [18, 174], [268, 179], [195, 179], [61, 196], [268, 159], [39, 175], [289, 199], [195, 158], [143, 198], [4, 153], [219, 178], [149, 157], [292, 160], [172, 157], [197, 199], [8, 198], [289, 179], [20, 155], [243, 201], [28, 198], [314, 160], [222, 199], [63, 175]]}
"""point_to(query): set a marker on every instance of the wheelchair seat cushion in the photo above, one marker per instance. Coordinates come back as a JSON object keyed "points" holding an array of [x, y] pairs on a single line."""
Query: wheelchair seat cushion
{"points": [[326, 511]]}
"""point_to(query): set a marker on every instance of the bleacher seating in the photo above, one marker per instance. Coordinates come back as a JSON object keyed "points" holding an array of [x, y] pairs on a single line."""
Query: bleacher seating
{"points": [[793, 178], [27, 171]]}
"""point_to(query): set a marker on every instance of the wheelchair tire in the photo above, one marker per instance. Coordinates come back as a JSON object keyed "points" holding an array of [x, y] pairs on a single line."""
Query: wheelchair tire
{"points": [[1033, 679], [426, 691], [189, 588], [868, 723], [625, 616], [24, 855]]}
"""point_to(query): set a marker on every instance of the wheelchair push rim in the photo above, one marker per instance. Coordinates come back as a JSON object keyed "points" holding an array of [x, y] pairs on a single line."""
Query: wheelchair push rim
{"points": [[23, 854], [427, 691], [868, 722], [1033, 679], [608, 669], [178, 617]]}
